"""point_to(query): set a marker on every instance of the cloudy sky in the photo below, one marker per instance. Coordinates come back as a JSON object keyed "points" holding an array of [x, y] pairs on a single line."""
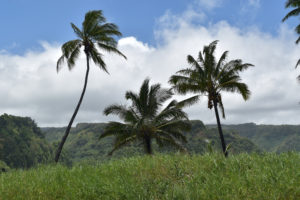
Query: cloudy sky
{"points": [[157, 37]]}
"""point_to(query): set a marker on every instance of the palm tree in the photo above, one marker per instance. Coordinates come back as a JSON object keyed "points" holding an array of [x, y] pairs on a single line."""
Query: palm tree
{"points": [[95, 34], [143, 120], [295, 5], [208, 77]]}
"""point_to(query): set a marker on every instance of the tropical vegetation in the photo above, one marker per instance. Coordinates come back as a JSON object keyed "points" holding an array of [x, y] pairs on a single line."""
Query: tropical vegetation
{"points": [[22, 143], [210, 77], [95, 34], [146, 121]]}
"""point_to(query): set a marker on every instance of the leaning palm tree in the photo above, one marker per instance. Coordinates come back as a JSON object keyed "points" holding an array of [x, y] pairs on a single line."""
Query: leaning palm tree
{"points": [[210, 78], [295, 5], [144, 121], [95, 35]]}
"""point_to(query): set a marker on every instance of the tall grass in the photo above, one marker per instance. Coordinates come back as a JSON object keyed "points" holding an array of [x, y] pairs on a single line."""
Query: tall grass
{"points": [[210, 176]]}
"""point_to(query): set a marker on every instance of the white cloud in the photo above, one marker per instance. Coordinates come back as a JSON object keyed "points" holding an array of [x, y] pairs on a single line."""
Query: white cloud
{"points": [[209, 4], [30, 85], [255, 3]]}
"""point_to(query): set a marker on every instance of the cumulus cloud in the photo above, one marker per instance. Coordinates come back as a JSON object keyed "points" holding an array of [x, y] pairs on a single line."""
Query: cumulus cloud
{"points": [[30, 86]]}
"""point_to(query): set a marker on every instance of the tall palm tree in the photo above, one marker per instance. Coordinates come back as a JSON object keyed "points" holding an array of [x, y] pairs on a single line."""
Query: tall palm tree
{"points": [[295, 5], [95, 35], [144, 121], [210, 78]]}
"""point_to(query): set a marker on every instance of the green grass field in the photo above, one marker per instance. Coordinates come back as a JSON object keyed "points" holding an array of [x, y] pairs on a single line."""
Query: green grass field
{"points": [[210, 176]]}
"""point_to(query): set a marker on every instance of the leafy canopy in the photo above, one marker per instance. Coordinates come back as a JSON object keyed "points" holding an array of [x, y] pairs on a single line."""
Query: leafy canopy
{"points": [[144, 119]]}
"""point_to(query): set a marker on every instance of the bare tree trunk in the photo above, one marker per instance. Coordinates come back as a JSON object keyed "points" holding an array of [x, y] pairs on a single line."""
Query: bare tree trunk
{"points": [[220, 128], [63, 140]]}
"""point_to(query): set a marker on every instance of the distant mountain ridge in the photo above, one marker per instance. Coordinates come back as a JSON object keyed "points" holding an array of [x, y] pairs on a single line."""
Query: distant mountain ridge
{"points": [[272, 138], [24, 144], [83, 141]]}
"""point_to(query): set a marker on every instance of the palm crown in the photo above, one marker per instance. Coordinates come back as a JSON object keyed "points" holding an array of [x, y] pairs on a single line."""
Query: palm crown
{"points": [[95, 34], [145, 121], [209, 77]]}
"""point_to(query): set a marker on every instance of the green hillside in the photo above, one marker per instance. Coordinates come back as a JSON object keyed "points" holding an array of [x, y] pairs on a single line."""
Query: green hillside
{"points": [[22, 143], [83, 143], [275, 138]]}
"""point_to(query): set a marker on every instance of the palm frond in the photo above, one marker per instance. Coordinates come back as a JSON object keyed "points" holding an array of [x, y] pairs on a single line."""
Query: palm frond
{"points": [[163, 95], [70, 52], [105, 30], [298, 63], [115, 110], [298, 40], [239, 87], [115, 128], [98, 60], [189, 101], [77, 31], [221, 61], [110, 49], [294, 12], [194, 64], [291, 3], [122, 143], [164, 141], [91, 20], [143, 96], [60, 61]]}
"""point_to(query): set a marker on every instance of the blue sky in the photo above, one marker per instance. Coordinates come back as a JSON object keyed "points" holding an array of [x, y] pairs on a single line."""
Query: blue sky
{"points": [[157, 37], [24, 23]]}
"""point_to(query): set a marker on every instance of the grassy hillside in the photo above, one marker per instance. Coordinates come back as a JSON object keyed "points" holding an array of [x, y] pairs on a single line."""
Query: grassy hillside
{"points": [[276, 138], [210, 176], [83, 142]]}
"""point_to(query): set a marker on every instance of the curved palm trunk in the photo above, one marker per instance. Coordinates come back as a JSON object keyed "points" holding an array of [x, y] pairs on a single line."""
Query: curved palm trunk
{"points": [[63, 140], [220, 128]]}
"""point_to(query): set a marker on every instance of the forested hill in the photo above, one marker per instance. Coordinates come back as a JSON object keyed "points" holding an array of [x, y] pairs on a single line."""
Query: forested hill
{"points": [[275, 138], [22, 143], [83, 141]]}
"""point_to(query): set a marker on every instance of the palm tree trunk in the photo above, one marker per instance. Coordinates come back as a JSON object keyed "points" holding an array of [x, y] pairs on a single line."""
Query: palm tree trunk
{"points": [[59, 149], [148, 146], [220, 128]]}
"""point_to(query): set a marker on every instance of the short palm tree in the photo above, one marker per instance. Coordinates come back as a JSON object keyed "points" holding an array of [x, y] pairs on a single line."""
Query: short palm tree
{"points": [[95, 35], [210, 78], [144, 121]]}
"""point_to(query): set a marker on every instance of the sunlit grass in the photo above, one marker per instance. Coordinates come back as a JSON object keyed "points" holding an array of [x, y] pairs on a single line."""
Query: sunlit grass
{"points": [[209, 176]]}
